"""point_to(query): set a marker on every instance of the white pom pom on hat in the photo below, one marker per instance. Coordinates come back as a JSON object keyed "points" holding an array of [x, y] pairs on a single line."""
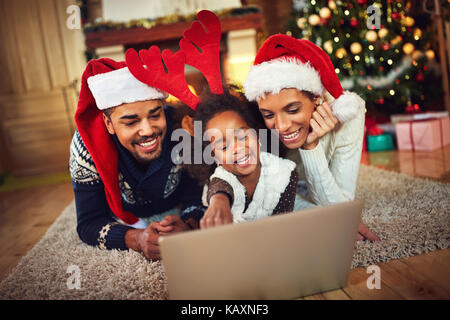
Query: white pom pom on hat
{"points": [[285, 62]]}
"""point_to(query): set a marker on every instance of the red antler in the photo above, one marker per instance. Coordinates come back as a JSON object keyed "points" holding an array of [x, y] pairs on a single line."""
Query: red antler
{"points": [[151, 71], [207, 61]]}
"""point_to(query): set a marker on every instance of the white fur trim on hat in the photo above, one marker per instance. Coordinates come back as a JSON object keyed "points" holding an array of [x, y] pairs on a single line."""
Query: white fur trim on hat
{"points": [[346, 106], [277, 74], [116, 87]]}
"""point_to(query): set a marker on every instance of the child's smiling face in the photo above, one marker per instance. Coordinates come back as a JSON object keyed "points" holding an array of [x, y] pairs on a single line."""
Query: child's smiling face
{"points": [[234, 145]]}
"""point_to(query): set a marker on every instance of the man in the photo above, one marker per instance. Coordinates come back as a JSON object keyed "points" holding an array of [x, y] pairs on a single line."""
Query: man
{"points": [[128, 191]]}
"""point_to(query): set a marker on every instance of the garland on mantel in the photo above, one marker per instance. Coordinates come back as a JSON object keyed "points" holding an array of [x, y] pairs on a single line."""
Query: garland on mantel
{"points": [[100, 26]]}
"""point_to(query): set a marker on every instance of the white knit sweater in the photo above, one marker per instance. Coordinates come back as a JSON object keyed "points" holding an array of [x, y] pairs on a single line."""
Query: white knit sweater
{"points": [[331, 168]]}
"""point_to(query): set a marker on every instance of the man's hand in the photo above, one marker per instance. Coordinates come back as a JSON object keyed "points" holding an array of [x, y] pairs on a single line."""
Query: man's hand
{"points": [[322, 121], [218, 212], [145, 241], [364, 233], [171, 224]]}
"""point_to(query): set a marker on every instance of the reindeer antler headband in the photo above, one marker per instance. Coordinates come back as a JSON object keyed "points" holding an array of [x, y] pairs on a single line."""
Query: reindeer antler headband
{"points": [[148, 66]]}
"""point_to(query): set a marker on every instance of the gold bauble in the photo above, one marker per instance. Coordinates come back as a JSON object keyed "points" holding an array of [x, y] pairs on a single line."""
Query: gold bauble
{"points": [[396, 40], [417, 54], [328, 46], [355, 48], [408, 21], [430, 54], [325, 13], [301, 23], [314, 19], [340, 53], [408, 48], [417, 33], [371, 36], [382, 33], [332, 5]]}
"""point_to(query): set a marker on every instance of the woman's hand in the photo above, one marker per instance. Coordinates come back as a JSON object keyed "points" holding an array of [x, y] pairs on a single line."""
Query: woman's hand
{"points": [[218, 212], [364, 233], [322, 121]]}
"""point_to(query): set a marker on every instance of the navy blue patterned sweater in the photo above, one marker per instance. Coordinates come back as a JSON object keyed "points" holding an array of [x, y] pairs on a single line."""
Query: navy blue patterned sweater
{"points": [[145, 192]]}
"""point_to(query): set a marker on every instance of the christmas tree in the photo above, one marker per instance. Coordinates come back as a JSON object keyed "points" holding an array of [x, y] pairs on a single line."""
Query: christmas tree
{"points": [[378, 49]]}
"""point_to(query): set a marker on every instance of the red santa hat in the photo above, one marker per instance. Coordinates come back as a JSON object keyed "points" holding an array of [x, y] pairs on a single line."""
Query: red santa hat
{"points": [[105, 84], [286, 62]]}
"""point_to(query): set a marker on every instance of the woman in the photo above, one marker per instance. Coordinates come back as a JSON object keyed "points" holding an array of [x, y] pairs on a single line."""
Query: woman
{"points": [[288, 81]]}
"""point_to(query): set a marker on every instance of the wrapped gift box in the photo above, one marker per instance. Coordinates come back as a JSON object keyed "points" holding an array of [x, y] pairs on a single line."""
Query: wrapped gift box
{"points": [[423, 135], [381, 142], [396, 118]]}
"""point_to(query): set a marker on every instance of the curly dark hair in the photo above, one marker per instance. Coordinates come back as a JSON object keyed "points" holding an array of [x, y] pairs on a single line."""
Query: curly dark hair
{"points": [[212, 104], [231, 100]]}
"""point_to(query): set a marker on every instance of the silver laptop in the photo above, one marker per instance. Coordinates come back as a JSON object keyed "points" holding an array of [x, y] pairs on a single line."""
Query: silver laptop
{"points": [[281, 257]]}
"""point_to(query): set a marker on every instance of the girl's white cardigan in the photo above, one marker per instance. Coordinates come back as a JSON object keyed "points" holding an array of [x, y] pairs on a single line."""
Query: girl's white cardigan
{"points": [[274, 178]]}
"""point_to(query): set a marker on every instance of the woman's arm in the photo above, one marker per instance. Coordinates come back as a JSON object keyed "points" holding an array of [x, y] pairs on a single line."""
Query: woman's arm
{"points": [[335, 181], [332, 180]]}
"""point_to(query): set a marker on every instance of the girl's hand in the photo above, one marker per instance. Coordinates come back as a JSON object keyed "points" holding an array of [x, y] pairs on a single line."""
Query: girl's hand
{"points": [[322, 121], [218, 212], [171, 224]]}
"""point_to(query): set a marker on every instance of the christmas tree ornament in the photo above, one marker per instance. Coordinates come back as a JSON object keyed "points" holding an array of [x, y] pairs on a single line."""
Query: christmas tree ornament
{"points": [[328, 46], [325, 13], [395, 15], [417, 34], [314, 20], [355, 48], [408, 48], [430, 54], [332, 5], [408, 21], [341, 53], [383, 32], [396, 40], [371, 36], [323, 21], [354, 22], [362, 2], [417, 54], [420, 77], [301, 23]]}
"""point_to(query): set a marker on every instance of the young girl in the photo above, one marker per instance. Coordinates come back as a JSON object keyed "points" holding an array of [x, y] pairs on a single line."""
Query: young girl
{"points": [[256, 184]]}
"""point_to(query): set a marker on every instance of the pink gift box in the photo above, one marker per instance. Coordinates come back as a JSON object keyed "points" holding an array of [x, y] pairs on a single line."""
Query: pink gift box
{"points": [[396, 118], [423, 135]]}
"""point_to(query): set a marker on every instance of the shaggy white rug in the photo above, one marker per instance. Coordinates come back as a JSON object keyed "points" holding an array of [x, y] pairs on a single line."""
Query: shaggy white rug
{"points": [[410, 215]]}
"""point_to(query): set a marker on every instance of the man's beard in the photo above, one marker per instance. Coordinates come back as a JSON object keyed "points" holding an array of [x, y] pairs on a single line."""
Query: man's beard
{"points": [[155, 154]]}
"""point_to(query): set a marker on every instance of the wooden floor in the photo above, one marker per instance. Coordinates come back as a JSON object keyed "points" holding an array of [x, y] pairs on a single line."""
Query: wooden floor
{"points": [[26, 214]]}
